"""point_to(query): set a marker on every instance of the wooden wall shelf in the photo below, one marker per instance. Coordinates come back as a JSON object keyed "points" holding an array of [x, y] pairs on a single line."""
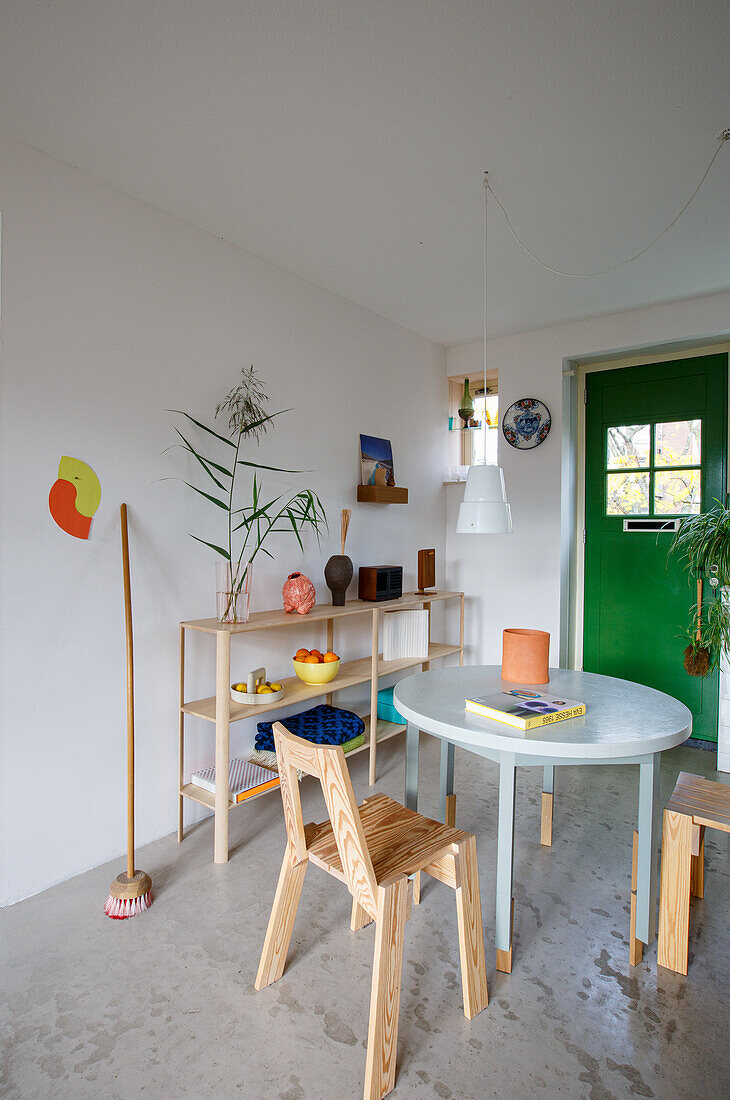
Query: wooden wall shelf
{"points": [[382, 494], [221, 710]]}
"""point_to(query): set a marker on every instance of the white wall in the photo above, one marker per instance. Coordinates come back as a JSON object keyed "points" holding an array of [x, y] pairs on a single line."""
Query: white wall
{"points": [[514, 580], [113, 312]]}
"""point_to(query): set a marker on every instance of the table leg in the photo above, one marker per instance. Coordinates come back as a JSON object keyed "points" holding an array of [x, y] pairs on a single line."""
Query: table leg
{"points": [[412, 739], [505, 862], [447, 798], [222, 741], [546, 815], [646, 864]]}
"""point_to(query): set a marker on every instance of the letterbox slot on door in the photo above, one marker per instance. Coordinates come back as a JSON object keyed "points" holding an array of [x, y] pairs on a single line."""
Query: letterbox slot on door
{"points": [[654, 525]]}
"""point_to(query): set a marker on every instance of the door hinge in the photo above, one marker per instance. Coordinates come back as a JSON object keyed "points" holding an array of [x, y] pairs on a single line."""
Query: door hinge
{"points": [[585, 395], [584, 536]]}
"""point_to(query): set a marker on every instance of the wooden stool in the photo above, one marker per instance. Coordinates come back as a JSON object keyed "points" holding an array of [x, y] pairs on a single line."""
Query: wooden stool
{"points": [[696, 804], [373, 849]]}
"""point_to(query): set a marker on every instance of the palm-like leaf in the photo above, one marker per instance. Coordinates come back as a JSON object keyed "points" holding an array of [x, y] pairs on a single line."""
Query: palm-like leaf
{"points": [[218, 549], [206, 463], [221, 503], [199, 424]]}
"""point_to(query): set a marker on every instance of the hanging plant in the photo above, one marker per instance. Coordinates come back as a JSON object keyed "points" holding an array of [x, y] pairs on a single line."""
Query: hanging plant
{"points": [[702, 543], [246, 526]]}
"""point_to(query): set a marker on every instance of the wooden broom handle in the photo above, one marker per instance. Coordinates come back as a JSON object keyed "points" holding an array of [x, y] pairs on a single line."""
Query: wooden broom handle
{"points": [[130, 692]]}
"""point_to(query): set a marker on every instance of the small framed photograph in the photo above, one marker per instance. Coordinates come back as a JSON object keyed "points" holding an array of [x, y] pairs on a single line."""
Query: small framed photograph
{"points": [[376, 461]]}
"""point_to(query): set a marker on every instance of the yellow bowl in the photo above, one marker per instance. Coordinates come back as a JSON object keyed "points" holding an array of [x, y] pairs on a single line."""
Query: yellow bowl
{"points": [[316, 674]]}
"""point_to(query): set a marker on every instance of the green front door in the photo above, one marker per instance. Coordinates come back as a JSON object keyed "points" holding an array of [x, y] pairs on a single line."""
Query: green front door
{"points": [[656, 444]]}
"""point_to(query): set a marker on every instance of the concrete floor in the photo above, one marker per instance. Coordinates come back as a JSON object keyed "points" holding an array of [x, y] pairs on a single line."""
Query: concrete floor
{"points": [[164, 1003]]}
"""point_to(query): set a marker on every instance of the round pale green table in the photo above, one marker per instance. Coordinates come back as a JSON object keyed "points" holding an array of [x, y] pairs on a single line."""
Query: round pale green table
{"points": [[624, 723]]}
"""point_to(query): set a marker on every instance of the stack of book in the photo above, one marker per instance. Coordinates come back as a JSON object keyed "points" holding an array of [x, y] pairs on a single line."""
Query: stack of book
{"points": [[244, 779]]}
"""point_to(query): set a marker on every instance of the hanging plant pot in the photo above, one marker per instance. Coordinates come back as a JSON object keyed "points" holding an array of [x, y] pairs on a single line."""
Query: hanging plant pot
{"points": [[702, 543]]}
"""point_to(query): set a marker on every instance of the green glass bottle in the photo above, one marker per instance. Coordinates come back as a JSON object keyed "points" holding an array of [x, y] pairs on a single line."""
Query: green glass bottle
{"points": [[466, 406]]}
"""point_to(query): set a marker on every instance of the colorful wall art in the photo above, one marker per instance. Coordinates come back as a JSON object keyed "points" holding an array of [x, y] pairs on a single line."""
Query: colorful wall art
{"points": [[74, 497], [376, 461]]}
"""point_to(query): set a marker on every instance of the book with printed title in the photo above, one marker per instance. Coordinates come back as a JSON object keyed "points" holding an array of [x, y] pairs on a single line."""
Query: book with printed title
{"points": [[524, 709]]}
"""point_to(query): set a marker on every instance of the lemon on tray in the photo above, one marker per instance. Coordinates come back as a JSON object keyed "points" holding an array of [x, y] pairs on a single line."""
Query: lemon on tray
{"points": [[275, 687], [264, 690]]}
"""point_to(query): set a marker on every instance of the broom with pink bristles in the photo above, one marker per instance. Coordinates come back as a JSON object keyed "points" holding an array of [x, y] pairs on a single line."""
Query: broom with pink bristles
{"points": [[131, 891]]}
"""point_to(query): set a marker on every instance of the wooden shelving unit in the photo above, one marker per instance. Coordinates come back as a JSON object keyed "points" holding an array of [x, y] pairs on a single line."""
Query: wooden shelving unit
{"points": [[221, 710]]}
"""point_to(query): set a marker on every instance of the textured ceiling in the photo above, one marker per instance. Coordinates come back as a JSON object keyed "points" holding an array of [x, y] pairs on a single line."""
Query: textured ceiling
{"points": [[345, 139]]}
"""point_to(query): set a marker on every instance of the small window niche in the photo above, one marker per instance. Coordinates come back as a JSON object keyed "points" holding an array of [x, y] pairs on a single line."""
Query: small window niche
{"points": [[469, 443]]}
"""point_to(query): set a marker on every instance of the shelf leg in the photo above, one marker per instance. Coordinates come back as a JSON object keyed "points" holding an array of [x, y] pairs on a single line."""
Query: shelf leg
{"points": [[222, 739], [330, 649], [374, 698], [181, 739], [427, 607], [461, 629]]}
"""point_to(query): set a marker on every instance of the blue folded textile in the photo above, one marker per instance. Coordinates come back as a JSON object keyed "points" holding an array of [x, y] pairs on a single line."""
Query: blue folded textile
{"points": [[322, 725]]}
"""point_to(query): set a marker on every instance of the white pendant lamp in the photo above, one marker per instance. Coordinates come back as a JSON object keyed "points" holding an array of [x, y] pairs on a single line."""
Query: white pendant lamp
{"points": [[484, 509]]}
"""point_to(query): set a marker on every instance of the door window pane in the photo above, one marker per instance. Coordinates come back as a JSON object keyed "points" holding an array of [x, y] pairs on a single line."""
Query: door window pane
{"points": [[627, 494], [628, 446], [677, 493], [678, 443]]}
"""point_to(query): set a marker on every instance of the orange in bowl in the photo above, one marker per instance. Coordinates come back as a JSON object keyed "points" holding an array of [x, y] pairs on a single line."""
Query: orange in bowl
{"points": [[330, 656], [301, 654], [316, 653], [312, 671]]}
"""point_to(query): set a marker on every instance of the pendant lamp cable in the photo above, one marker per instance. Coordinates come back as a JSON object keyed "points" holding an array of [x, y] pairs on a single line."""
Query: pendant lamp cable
{"points": [[724, 137]]}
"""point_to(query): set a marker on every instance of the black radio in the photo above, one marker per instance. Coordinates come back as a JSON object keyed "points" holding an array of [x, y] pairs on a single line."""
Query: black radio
{"points": [[380, 582]]}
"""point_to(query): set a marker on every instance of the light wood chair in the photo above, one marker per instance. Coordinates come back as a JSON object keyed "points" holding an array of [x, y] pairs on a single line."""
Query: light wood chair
{"points": [[372, 848], [696, 804]]}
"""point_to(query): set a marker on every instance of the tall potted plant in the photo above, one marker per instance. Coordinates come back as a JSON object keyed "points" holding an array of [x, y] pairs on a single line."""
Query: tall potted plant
{"points": [[702, 543], [247, 526]]}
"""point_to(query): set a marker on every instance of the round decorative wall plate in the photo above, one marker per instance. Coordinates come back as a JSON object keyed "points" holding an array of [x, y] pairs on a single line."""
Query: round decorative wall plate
{"points": [[526, 423]]}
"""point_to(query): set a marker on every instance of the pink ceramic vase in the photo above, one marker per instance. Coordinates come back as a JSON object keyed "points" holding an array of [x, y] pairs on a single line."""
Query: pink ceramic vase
{"points": [[298, 593]]}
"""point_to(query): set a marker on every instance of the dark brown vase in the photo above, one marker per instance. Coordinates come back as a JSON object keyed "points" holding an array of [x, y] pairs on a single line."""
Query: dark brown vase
{"points": [[338, 574]]}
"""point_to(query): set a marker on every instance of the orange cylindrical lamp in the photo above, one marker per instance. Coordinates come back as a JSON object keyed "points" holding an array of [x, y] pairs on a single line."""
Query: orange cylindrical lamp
{"points": [[525, 656]]}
